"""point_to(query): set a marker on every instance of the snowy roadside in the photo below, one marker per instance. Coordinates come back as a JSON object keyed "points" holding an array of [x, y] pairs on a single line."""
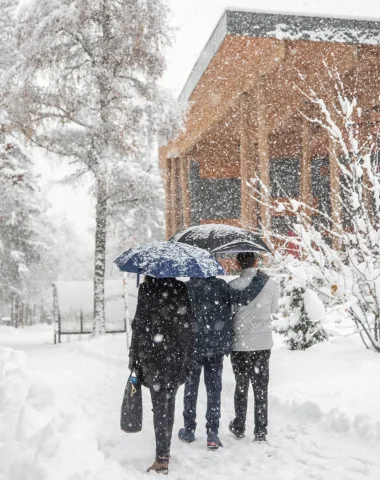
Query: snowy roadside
{"points": [[337, 376], [38, 440], [60, 411]]}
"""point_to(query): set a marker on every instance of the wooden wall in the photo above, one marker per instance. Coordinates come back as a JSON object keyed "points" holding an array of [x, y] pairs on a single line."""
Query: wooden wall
{"points": [[248, 109]]}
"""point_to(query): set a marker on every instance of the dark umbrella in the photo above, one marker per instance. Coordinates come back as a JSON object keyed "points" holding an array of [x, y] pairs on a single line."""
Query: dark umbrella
{"points": [[169, 259], [219, 238]]}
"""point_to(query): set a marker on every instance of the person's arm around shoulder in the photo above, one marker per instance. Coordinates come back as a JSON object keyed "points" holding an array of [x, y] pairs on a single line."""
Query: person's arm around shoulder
{"points": [[239, 293], [224, 289], [243, 297]]}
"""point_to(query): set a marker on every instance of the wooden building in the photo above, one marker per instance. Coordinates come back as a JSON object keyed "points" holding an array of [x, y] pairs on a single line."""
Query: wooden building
{"points": [[245, 117]]}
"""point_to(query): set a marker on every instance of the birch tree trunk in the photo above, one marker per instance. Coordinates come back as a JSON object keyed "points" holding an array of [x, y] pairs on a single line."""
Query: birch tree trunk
{"points": [[102, 190], [102, 61], [99, 322]]}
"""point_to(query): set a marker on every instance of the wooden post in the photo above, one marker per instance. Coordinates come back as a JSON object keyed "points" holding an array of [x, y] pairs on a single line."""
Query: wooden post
{"points": [[17, 310], [186, 207], [56, 316], [59, 327], [34, 314], [174, 204], [22, 310], [263, 151], [364, 138], [167, 180], [13, 319], [306, 194], [248, 210], [336, 206]]}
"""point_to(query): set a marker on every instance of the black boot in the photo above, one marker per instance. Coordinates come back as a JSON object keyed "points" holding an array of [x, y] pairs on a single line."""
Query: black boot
{"points": [[213, 441], [186, 436], [260, 438], [235, 432]]}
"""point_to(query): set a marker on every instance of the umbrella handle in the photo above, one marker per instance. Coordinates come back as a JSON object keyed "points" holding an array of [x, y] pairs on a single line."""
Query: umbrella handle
{"points": [[138, 279]]}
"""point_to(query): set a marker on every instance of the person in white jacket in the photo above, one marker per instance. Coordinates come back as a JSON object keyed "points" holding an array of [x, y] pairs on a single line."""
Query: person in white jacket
{"points": [[252, 343]]}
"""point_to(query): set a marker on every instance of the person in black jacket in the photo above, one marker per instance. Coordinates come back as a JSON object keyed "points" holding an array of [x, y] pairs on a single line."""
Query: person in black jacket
{"points": [[161, 353], [211, 301]]}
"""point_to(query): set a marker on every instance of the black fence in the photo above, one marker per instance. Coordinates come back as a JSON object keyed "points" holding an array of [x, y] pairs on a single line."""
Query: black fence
{"points": [[82, 325]]}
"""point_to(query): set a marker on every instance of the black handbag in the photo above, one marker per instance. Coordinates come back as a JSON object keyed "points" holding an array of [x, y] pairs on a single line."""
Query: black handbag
{"points": [[131, 408]]}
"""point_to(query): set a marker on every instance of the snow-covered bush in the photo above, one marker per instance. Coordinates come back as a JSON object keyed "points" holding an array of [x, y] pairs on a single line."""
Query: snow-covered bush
{"points": [[300, 316], [348, 274]]}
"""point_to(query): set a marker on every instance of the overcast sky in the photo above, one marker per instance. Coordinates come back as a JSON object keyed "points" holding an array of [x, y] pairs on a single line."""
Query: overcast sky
{"points": [[195, 21]]}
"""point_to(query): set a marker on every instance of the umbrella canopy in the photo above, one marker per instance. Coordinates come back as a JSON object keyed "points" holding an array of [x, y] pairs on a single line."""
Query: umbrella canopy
{"points": [[169, 259], [219, 238]]}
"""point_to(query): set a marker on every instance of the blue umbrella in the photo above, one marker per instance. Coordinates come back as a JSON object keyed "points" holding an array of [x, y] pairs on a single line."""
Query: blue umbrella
{"points": [[169, 259]]}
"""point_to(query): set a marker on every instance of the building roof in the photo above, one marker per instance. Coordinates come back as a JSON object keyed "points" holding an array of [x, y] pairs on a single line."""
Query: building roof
{"points": [[281, 27]]}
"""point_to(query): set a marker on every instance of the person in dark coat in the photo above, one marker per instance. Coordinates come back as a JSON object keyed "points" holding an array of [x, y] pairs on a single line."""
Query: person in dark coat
{"points": [[161, 353], [211, 301]]}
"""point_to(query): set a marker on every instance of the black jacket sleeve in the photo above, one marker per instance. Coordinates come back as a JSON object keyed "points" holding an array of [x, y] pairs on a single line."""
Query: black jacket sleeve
{"points": [[228, 330], [189, 337], [136, 328]]}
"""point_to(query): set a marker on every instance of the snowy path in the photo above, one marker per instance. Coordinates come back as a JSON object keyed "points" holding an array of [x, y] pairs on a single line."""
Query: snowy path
{"points": [[88, 380]]}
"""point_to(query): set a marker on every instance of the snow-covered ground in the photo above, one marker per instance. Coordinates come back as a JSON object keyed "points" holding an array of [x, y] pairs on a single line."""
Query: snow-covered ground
{"points": [[59, 415]]}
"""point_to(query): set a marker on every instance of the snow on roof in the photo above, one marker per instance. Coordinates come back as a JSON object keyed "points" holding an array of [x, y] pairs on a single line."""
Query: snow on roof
{"points": [[282, 27]]}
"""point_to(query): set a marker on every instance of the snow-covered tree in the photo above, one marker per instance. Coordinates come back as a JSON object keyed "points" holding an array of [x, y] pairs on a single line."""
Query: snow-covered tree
{"points": [[86, 88], [20, 245], [8, 55], [144, 220], [24, 249], [299, 318], [73, 255]]}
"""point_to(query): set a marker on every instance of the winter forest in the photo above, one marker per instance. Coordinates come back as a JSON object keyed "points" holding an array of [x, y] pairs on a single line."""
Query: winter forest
{"points": [[189, 199]]}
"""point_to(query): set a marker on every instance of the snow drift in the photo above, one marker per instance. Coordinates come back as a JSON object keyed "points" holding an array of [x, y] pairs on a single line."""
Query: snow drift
{"points": [[38, 441]]}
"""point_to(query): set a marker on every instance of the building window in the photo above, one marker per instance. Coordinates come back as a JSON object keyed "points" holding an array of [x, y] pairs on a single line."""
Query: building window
{"points": [[320, 187], [320, 184], [213, 198], [282, 225], [285, 178]]}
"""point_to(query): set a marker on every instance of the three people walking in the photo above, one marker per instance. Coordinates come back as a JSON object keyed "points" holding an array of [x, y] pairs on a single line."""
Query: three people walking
{"points": [[179, 329]]}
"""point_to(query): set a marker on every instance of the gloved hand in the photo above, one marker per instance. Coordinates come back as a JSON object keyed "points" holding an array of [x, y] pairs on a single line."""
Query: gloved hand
{"points": [[133, 363]]}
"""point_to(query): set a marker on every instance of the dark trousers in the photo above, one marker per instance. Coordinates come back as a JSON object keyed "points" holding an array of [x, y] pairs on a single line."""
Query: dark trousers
{"points": [[212, 368], [251, 367], [163, 419]]}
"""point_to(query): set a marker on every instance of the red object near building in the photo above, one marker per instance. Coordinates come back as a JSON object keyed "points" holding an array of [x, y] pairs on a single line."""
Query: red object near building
{"points": [[293, 248]]}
